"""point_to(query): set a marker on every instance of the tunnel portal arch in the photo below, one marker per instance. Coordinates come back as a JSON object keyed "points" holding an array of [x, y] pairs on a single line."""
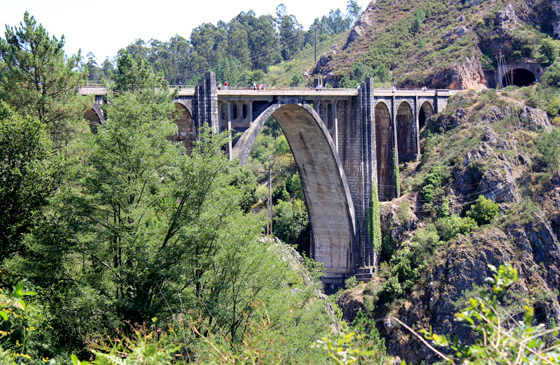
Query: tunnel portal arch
{"points": [[384, 149], [327, 195], [518, 77]]}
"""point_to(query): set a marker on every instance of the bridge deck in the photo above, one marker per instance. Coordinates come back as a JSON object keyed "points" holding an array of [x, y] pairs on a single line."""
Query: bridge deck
{"points": [[189, 91]]}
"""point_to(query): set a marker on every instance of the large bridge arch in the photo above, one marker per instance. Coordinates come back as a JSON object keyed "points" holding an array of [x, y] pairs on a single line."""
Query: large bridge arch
{"points": [[186, 132], [327, 195]]}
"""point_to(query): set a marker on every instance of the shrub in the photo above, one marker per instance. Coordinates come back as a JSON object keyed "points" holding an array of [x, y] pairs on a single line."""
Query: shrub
{"points": [[483, 211], [548, 146], [450, 227], [501, 338], [403, 212], [351, 282]]}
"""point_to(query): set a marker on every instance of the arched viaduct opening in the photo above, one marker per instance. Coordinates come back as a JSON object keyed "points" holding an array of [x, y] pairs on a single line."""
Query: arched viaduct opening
{"points": [[93, 119], [406, 131], [520, 77], [426, 112], [186, 131], [385, 149], [327, 195]]}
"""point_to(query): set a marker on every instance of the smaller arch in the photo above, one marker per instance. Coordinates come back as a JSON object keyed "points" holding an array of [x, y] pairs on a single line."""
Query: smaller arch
{"points": [[426, 111], [384, 151], [234, 111], [406, 127], [223, 111], [321, 111], [186, 132], [518, 77], [244, 111]]}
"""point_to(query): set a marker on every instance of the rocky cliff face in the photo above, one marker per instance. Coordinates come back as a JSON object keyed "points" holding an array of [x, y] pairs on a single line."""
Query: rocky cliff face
{"points": [[486, 145], [532, 247]]}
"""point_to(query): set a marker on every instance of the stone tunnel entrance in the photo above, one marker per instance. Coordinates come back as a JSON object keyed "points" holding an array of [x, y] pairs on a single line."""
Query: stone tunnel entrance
{"points": [[385, 149], [326, 191], [186, 132], [520, 77], [406, 133]]}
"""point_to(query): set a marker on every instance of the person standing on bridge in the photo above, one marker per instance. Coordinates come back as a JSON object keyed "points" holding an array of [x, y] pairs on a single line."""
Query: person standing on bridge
{"points": [[225, 85]]}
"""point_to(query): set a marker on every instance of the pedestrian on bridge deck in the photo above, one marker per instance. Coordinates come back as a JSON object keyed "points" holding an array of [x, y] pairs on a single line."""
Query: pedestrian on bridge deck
{"points": [[225, 85]]}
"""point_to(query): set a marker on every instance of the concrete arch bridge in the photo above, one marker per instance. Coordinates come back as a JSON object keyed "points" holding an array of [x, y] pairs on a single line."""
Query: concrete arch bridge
{"points": [[344, 142]]}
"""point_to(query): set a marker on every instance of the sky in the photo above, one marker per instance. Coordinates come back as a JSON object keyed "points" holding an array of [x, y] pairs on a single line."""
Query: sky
{"points": [[103, 27]]}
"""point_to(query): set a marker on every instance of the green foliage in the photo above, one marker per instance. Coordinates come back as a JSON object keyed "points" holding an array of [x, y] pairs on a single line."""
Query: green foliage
{"points": [[351, 282], [360, 71], [30, 173], [373, 220], [346, 83], [450, 227], [341, 349], [548, 146], [281, 146], [408, 263], [403, 212], [433, 180], [502, 339], [38, 80], [483, 211], [297, 80], [14, 331], [444, 211], [548, 52], [382, 73], [291, 221], [552, 75]]}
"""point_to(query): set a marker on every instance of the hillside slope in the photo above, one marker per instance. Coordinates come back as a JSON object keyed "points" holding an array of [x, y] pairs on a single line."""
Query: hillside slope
{"points": [[434, 254], [444, 44]]}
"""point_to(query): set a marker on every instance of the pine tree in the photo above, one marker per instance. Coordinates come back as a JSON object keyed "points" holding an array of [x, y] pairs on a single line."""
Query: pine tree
{"points": [[38, 79]]}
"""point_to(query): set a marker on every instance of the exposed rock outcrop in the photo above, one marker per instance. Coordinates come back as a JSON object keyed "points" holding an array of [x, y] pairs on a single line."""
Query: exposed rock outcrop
{"points": [[466, 264], [363, 23]]}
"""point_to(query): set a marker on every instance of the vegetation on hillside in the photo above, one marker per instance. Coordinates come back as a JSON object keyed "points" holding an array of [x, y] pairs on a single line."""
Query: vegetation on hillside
{"points": [[421, 42]]}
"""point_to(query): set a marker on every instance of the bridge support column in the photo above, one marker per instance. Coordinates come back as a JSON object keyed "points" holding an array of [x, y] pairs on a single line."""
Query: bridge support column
{"points": [[229, 145], [335, 125], [250, 111], [205, 103]]}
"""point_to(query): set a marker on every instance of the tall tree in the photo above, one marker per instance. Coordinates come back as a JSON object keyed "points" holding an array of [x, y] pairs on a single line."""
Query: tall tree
{"points": [[29, 174], [38, 79]]}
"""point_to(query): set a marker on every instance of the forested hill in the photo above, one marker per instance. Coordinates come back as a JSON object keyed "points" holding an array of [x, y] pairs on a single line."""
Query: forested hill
{"points": [[240, 50]]}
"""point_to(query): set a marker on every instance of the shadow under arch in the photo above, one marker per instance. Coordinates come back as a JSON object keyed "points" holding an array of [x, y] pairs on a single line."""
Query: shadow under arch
{"points": [[385, 148], [406, 133], [327, 195], [425, 113], [94, 116], [186, 132]]}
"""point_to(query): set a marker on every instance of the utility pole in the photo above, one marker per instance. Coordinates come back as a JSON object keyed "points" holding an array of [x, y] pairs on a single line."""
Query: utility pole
{"points": [[315, 44]]}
